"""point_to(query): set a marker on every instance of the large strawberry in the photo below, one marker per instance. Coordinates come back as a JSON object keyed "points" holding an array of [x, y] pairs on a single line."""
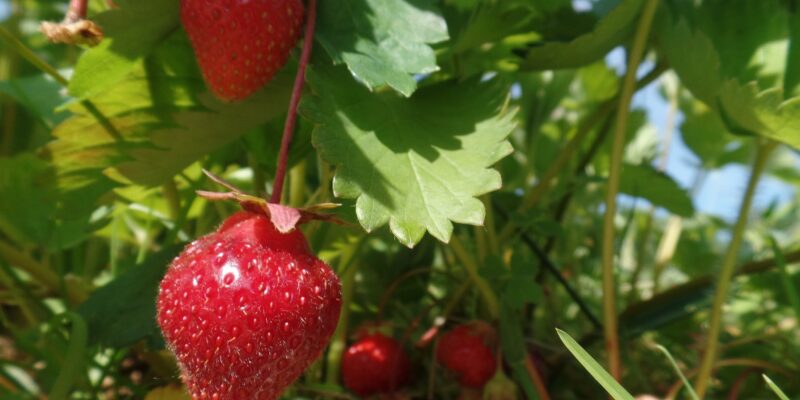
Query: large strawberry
{"points": [[246, 309], [241, 44], [375, 364], [467, 351]]}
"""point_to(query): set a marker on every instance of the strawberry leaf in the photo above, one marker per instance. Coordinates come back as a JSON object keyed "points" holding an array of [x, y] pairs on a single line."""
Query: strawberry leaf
{"points": [[645, 181], [610, 31], [383, 42], [165, 119], [416, 164], [132, 31], [123, 311], [764, 113], [34, 210]]}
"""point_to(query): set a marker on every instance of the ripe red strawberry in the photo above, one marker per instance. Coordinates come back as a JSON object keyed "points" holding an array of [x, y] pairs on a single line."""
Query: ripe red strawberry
{"points": [[241, 44], [246, 309], [375, 364], [465, 352]]}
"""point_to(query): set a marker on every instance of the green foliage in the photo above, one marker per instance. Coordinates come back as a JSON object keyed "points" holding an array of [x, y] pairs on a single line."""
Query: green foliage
{"points": [[414, 173], [132, 32], [161, 131], [485, 121], [778, 392], [383, 42], [122, 312], [658, 188], [614, 389], [610, 31]]}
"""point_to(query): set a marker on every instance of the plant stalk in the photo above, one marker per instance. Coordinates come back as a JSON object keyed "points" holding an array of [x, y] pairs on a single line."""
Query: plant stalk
{"points": [[347, 268], [77, 10], [610, 329], [43, 275], [297, 92], [472, 270], [727, 271]]}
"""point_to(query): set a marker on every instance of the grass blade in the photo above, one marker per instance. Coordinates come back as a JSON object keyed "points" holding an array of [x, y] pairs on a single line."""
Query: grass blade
{"points": [[775, 388], [686, 383], [598, 373], [791, 291]]}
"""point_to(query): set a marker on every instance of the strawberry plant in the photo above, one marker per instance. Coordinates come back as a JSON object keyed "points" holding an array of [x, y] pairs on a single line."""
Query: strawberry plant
{"points": [[399, 199]]}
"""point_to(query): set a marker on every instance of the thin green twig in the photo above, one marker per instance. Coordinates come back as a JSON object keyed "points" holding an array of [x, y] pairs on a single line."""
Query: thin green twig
{"points": [[727, 271], [628, 87]]}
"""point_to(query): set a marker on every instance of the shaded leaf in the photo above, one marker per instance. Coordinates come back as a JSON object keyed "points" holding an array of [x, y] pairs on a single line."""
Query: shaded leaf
{"points": [[610, 31], [40, 95], [766, 113], [658, 188], [165, 118], [34, 210], [692, 56], [132, 31], [416, 164], [512, 343], [124, 311]]}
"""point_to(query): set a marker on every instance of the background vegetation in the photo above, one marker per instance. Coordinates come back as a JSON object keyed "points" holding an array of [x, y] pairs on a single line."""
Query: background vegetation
{"points": [[409, 106]]}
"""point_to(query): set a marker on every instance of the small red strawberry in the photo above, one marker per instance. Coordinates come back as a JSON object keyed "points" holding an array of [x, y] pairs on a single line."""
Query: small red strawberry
{"points": [[464, 351], [241, 44], [246, 309], [375, 364]]}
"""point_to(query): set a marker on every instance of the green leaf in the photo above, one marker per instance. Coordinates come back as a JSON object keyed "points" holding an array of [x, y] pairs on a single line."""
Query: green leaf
{"points": [[124, 311], [165, 117], [775, 389], [765, 114], [40, 95], [786, 278], [656, 187], [132, 31], [598, 373], [34, 210], [686, 384], [383, 42], [706, 135], [416, 163], [610, 31], [791, 79], [692, 56], [74, 360], [512, 344]]}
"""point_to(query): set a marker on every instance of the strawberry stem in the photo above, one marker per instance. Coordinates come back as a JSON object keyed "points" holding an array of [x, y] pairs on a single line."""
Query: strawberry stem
{"points": [[297, 91], [76, 10]]}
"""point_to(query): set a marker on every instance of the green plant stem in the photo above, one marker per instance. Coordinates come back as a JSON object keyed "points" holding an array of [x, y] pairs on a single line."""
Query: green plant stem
{"points": [[40, 64], [471, 266], [628, 87], [259, 179], [727, 271], [45, 276], [786, 279], [599, 115], [491, 228], [297, 184], [347, 269], [74, 360], [172, 197], [31, 57]]}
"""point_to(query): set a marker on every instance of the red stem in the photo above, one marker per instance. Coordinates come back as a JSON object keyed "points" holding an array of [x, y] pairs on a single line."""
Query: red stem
{"points": [[297, 92], [77, 10]]}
